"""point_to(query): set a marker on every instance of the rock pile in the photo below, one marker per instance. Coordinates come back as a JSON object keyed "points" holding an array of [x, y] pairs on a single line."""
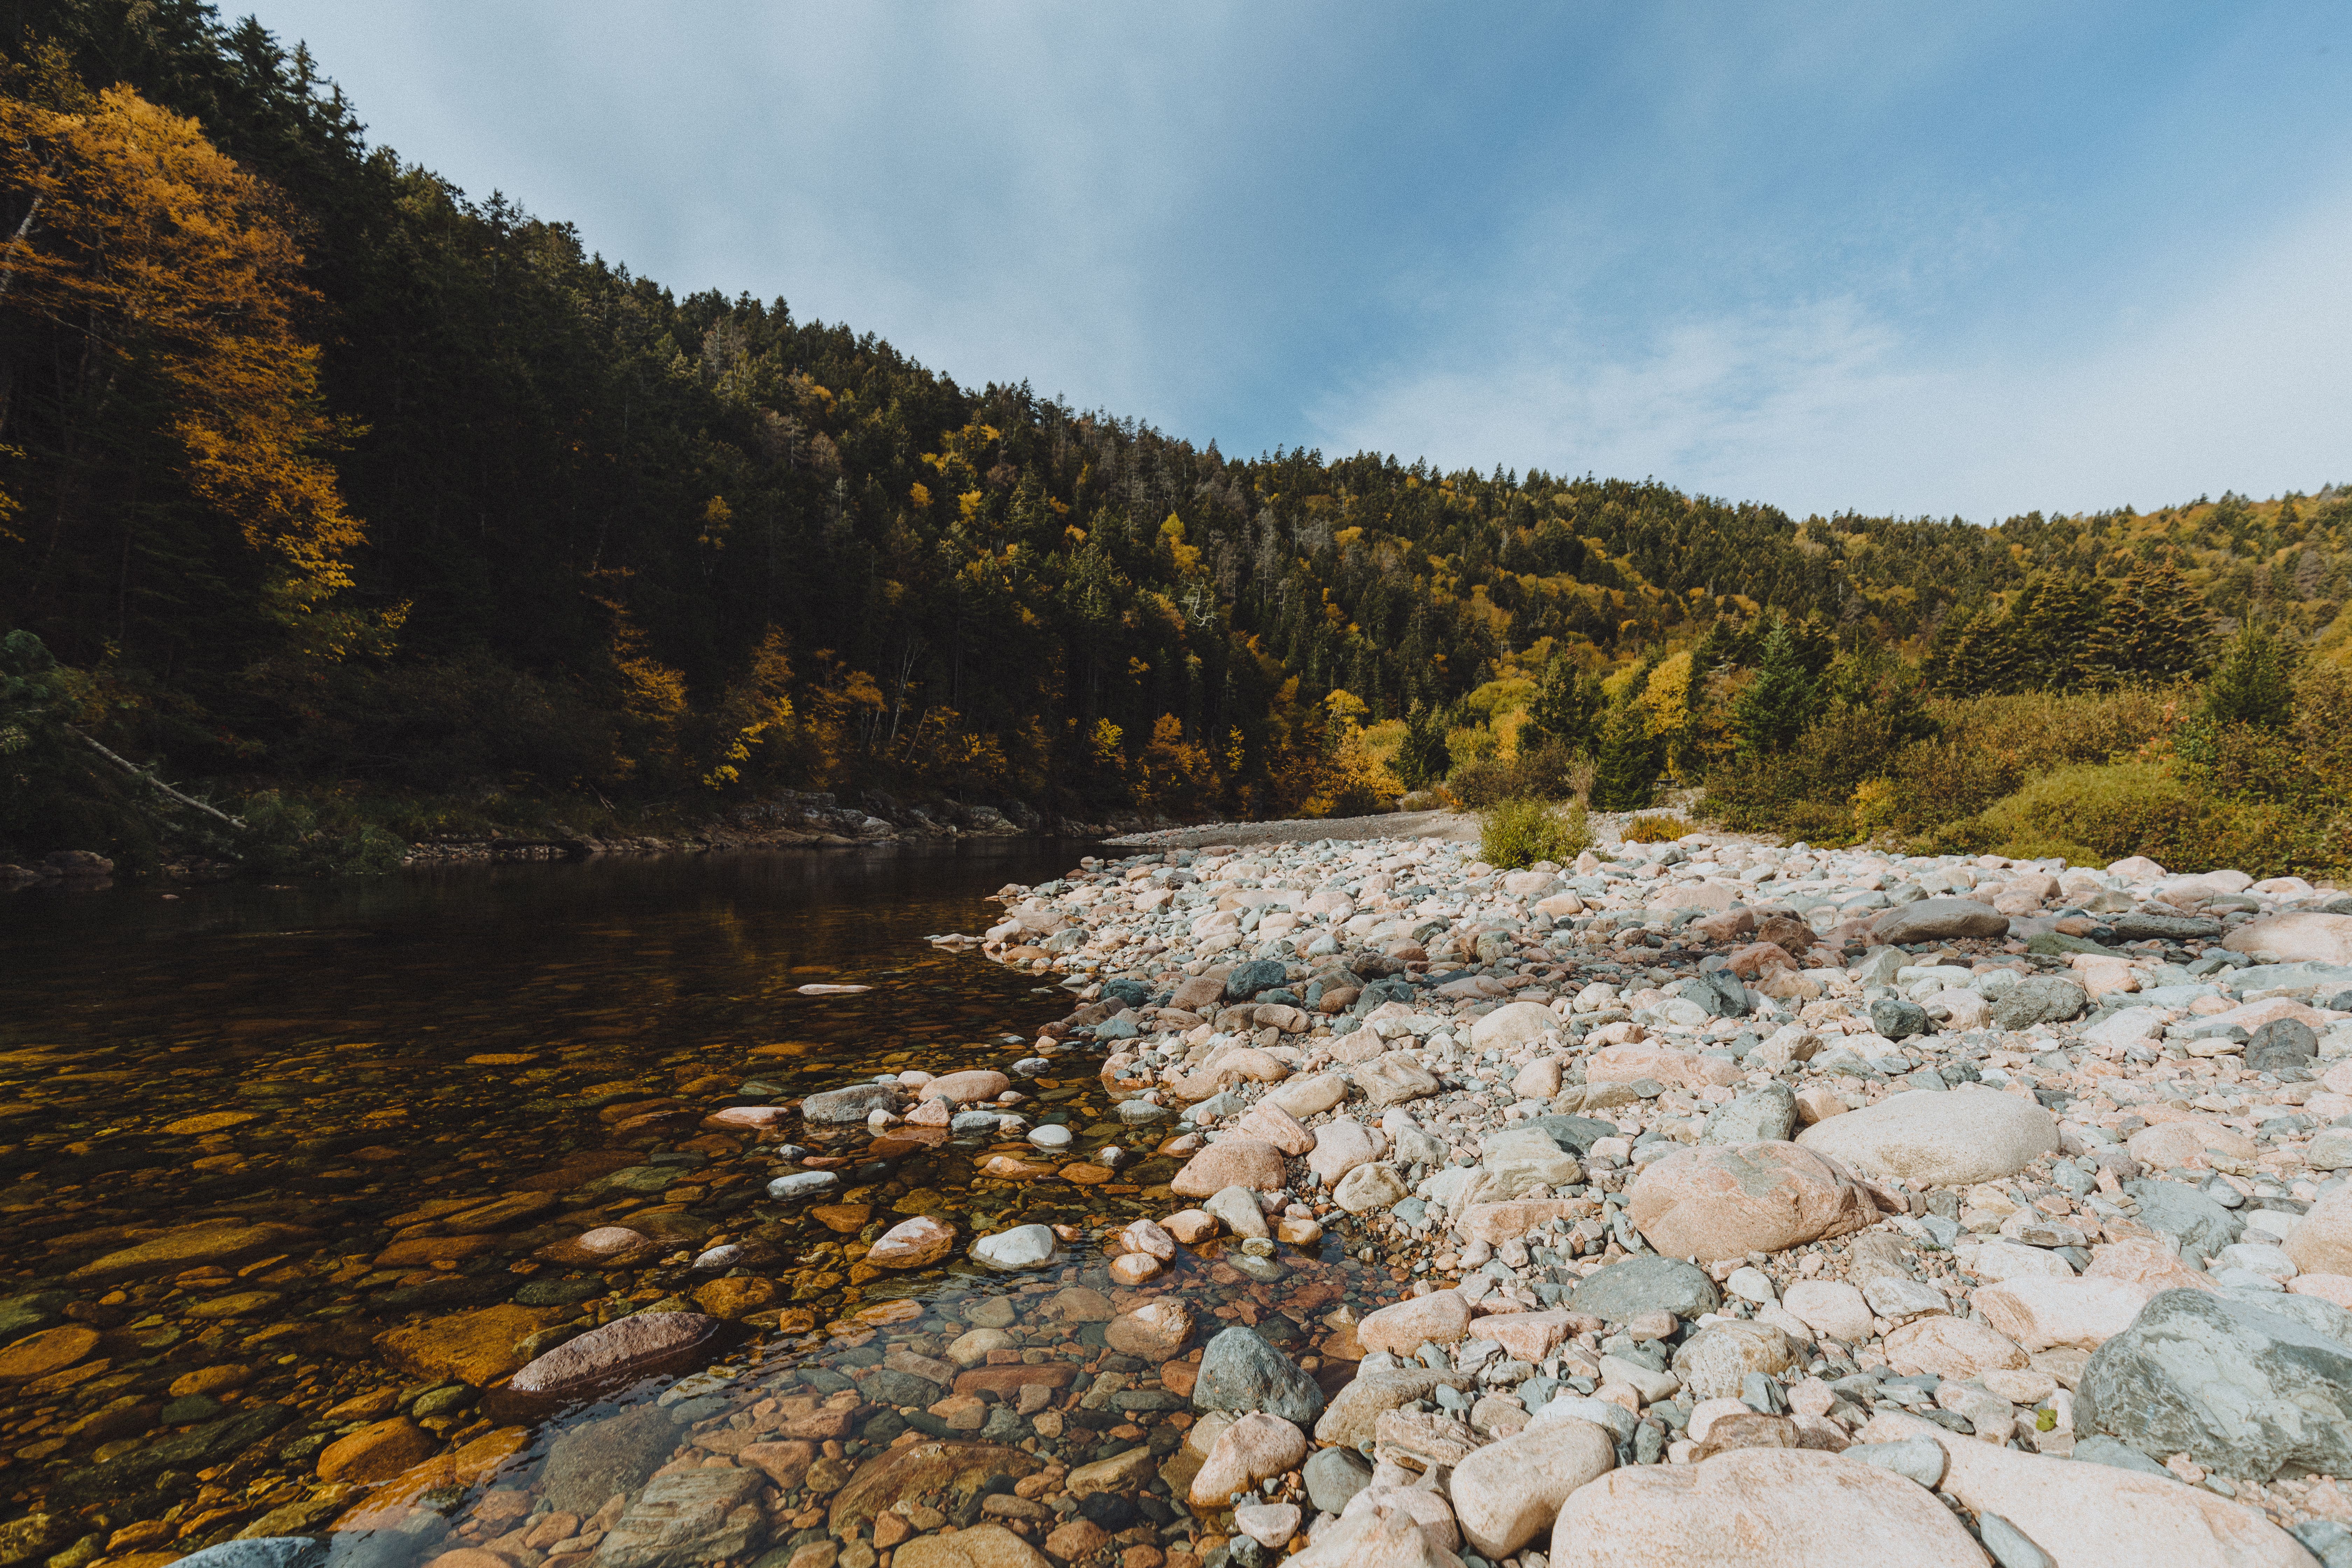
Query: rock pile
{"points": [[1956, 1206]]}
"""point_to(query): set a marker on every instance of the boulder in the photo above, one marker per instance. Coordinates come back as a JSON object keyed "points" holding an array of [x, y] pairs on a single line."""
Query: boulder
{"points": [[1953, 1138], [1638, 1286], [986, 1545], [1510, 1492], [840, 1107], [1956, 1348], [1517, 1161], [1308, 1096], [1714, 1203], [1390, 1080], [2039, 999], [1830, 1307], [1370, 1187], [1442, 1317], [1341, 1145], [1255, 1447], [1237, 1208], [965, 1088], [916, 1467], [1232, 1162], [2086, 1515], [1156, 1331], [1512, 1024], [1333, 1476], [2322, 1242], [1766, 1115], [1383, 1527], [619, 1452], [1661, 1064], [601, 1361], [1760, 1508], [912, 1244], [1277, 1126], [1713, 1363], [1022, 1247], [2238, 1388], [2042, 1312], [2188, 1217], [1938, 919], [1239, 1371], [1352, 1421], [2298, 938]]}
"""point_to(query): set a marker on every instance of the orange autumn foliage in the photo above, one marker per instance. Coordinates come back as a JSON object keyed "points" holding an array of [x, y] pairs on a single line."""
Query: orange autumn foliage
{"points": [[169, 263]]}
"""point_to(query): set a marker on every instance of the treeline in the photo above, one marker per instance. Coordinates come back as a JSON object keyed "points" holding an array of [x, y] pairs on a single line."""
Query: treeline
{"points": [[326, 483]]}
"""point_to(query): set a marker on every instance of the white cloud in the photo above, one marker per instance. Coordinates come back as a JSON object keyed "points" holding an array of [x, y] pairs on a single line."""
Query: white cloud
{"points": [[1829, 406]]}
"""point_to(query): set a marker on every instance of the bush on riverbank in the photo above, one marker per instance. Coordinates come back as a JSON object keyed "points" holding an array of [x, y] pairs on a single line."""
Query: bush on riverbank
{"points": [[1515, 834]]}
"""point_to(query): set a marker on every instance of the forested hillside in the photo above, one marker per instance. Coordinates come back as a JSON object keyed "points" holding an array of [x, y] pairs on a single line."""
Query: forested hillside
{"points": [[330, 487]]}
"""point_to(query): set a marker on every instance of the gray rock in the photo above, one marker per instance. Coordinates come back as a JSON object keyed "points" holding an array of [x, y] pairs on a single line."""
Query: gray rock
{"points": [[840, 1106], [1938, 919], [2141, 925], [1768, 1115], [2327, 1541], [1719, 990], [2200, 1226], [1919, 1460], [803, 1183], [2283, 1043], [2039, 999], [1144, 1113], [1241, 1372], [2117, 1456], [1333, 1476], [1248, 979], [1898, 1019], [262, 1552], [1624, 1291], [2239, 1388], [688, 1516], [1575, 1134], [2321, 1315], [887, 1386], [2011, 1547], [589, 1463]]}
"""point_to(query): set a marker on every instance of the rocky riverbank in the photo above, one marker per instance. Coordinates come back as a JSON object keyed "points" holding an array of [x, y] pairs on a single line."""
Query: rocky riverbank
{"points": [[1759, 1203]]}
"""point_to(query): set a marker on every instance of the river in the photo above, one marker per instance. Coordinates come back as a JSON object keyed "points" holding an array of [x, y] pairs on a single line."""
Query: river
{"points": [[287, 1170]]}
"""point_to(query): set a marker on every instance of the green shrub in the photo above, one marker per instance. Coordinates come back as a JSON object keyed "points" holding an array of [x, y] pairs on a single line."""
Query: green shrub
{"points": [[1659, 827], [1514, 834], [1545, 771], [2095, 813]]}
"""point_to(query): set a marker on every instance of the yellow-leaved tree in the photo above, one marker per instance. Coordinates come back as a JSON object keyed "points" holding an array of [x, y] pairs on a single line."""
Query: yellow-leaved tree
{"points": [[149, 288]]}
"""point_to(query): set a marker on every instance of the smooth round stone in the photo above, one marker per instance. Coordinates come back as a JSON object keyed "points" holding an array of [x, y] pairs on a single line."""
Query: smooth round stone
{"points": [[1022, 1247], [1031, 1066], [726, 1256], [802, 1183], [1052, 1136]]}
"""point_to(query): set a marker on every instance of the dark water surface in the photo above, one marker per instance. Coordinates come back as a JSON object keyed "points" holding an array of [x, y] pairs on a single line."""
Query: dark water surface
{"points": [[281, 1167]]}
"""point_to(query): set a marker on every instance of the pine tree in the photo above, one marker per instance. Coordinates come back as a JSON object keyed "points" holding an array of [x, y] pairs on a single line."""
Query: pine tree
{"points": [[2155, 629], [1782, 699], [1955, 658], [1424, 758], [2255, 684], [1625, 772], [1567, 709]]}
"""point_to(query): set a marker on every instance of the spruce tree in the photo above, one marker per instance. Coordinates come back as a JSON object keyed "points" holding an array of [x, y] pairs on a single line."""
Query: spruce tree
{"points": [[2255, 683], [1782, 700], [1566, 708], [2155, 629], [1625, 772]]}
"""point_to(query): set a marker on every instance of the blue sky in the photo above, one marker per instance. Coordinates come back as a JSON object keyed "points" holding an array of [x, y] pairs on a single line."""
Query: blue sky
{"points": [[1878, 257]]}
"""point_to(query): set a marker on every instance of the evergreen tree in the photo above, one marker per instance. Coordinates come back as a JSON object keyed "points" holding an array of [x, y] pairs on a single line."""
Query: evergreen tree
{"points": [[1782, 699], [1424, 758], [1625, 772], [1954, 664], [2155, 629], [2055, 634], [2255, 682], [1566, 708]]}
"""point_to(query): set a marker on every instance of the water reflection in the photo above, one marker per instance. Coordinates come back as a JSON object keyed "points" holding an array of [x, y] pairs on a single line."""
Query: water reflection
{"points": [[289, 1175]]}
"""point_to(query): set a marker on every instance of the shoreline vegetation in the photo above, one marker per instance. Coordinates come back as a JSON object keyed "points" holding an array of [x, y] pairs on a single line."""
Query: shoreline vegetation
{"points": [[368, 515]]}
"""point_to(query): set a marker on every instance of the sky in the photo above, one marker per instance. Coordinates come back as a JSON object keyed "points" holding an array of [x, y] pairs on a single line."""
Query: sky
{"points": [[1878, 258]]}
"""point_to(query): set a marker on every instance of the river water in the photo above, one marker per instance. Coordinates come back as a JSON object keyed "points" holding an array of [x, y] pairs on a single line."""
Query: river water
{"points": [[281, 1168]]}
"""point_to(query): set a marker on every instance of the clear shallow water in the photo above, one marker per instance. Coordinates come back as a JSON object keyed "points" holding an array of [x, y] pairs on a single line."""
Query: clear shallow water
{"points": [[247, 1136]]}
